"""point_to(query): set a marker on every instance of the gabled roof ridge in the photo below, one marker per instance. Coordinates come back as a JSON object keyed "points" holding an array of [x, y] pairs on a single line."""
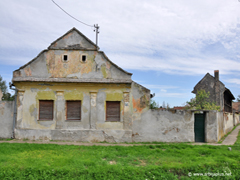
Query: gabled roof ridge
{"points": [[141, 85], [45, 50], [208, 74], [74, 29], [228, 90], [114, 63], [199, 82]]}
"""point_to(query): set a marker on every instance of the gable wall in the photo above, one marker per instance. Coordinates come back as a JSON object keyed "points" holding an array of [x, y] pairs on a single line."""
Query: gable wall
{"points": [[72, 40], [215, 88], [49, 64]]}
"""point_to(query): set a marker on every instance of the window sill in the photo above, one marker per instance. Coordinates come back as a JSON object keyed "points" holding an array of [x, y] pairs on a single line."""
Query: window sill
{"points": [[112, 121], [73, 120], [45, 120]]}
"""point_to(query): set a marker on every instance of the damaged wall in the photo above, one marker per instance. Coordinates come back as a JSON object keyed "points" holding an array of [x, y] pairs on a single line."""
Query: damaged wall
{"points": [[164, 126], [236, 118], [211, 126], [134, 99], [228, 122], [6, 118]]}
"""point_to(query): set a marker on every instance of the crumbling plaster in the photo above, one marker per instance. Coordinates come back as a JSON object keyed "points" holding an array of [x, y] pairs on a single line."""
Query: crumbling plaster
{"points": [[28, 104], [6, 119], [164, 126]]}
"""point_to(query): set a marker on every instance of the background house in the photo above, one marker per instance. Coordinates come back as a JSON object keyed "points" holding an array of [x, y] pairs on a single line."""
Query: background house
{"points": [[219, 94]]}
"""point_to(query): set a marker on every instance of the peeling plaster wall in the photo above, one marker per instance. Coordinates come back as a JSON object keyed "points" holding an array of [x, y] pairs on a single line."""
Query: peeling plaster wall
{"points": [[93, 111], [236, 119], [140, 98], [164, 126], [221, 125], [228, 121], [50, 64], [72, 40], [6, 118], [211, 126], [225, 123], [87, 135], [30, 94]]}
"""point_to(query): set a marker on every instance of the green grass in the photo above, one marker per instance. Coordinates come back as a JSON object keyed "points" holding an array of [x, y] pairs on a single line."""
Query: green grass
{"points": [[161, 161]]}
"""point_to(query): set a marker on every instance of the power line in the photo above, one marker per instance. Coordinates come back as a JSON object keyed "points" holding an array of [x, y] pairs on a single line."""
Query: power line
{"points": [[71, 15]]}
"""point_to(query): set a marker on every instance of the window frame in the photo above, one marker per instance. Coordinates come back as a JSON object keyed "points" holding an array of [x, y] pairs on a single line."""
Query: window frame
{"points": [[80, 112], [82, 58], [40, 109], [65, 61], [119, 107]]}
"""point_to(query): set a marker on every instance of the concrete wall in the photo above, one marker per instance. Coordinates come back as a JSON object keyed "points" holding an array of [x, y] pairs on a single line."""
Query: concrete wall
{"points": [[236, 119], [211, 126], [164, 126], [6, 118], [228, 122]]}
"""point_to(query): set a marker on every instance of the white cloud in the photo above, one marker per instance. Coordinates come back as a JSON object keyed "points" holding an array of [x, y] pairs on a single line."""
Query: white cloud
{"points": [[167, 36], [234, 81]]}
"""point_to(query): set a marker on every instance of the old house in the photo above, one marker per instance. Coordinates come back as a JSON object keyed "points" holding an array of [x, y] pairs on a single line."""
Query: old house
{"points": [[72, 91], [219, 94]]}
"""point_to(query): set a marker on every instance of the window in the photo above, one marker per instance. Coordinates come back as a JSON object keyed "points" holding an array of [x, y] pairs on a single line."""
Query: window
{"points": [[45, 109], [113, 111], [73, 110], [65, 58], [84, 58]]}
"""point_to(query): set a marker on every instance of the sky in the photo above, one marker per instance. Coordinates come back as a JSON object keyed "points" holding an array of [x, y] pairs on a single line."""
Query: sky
{"points": [[169, 46]]}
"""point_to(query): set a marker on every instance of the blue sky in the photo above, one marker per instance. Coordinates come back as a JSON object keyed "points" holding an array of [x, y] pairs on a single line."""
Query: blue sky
{"points": [[168, 45]]}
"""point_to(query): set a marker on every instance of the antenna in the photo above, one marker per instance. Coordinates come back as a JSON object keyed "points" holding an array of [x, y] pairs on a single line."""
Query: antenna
{"points": [[97, 32]]}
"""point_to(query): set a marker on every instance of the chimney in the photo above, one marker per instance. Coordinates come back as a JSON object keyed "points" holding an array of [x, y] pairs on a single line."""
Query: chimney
{"points": [[216, 75]]}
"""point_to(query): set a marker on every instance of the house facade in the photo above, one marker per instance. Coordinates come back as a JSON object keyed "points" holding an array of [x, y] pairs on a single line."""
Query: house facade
{"points": [[72, 91], [219, 94]]}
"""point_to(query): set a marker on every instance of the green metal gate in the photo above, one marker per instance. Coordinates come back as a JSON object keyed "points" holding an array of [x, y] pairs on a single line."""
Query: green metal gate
{"points": [[199, 127]]}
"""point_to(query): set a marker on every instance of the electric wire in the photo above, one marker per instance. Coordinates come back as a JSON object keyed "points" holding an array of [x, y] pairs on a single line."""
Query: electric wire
{"points": [[71, 15]]}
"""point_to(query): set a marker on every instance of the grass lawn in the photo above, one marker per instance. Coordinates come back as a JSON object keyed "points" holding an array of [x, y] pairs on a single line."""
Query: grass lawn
{"points": [[161, 161]]}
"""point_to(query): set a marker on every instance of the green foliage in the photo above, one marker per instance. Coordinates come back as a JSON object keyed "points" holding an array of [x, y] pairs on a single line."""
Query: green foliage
{"points": [[201, 102], [6, 95], [238, 98], [153, 104], [163, 161]]}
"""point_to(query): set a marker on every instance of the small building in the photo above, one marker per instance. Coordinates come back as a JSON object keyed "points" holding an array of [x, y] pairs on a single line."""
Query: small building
{"points": [[72, 91], [219, 94], [236, 107]]}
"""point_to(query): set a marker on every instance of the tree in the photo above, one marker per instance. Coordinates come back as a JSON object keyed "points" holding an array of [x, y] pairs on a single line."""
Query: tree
{"points": [[238, 99], [6, 95], [153, 104], [201, 102]]}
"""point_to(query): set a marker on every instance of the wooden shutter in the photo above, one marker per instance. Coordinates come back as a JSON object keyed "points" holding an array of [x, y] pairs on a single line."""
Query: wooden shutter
{"points": [[113, 111], [73, 110], [45, 109]]}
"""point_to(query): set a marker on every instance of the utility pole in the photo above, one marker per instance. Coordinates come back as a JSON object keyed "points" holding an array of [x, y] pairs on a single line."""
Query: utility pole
{"points": [[97, 31]]}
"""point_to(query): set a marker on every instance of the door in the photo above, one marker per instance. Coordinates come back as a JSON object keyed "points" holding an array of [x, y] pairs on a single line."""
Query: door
{"points": [[199, 127]]}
